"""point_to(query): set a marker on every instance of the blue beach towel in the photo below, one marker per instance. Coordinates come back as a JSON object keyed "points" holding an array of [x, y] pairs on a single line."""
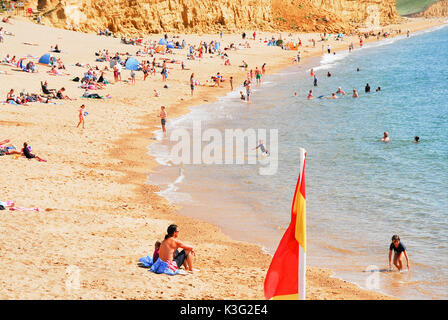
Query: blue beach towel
{"points": [[146, 261], [159, 267]]}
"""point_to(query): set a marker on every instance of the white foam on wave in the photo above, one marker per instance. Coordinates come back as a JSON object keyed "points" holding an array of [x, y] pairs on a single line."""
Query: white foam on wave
{"points": [[171, 192], [161, 155], [330, 60], [401, 37]]}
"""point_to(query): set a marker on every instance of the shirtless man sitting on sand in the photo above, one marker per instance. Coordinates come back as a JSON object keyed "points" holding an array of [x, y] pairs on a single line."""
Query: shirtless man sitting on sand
{"points": [[168, 250]]}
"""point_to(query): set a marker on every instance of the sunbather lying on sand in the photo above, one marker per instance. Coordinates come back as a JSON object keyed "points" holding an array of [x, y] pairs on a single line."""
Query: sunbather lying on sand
{"points": [[7, 148], [55, 72]]}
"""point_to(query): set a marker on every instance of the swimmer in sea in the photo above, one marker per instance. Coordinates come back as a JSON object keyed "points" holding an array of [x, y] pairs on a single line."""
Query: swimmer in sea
{"points": [[333, 96], [416, 139], [378, 89], [310, 95], [367, 88], [385, 137], [355, 93], [340, 91], [262, 148]]}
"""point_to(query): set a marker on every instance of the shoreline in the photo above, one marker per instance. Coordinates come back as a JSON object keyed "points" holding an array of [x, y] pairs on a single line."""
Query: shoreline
{"points": [[230, 269], [313, 269]]}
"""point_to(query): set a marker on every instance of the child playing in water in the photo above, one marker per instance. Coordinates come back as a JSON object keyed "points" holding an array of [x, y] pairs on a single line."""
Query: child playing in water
{"points": [[81, 117], [400, 250]]}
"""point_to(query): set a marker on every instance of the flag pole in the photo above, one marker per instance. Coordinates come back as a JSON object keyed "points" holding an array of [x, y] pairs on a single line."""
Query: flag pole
{"points": [[302, 253]]}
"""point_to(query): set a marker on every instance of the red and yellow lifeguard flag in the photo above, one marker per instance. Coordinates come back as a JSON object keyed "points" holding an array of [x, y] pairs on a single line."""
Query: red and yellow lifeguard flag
{"points": [[285, 279]]}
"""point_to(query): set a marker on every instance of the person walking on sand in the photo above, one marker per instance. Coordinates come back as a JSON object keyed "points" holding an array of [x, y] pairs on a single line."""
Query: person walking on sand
{"points": [[119, 68], [169, 252], [162, 116], [81, 116], [192, 83], [399, 250]]}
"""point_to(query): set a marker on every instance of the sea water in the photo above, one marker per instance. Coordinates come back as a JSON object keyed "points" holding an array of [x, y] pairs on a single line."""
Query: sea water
{"points": [[360, 191]]}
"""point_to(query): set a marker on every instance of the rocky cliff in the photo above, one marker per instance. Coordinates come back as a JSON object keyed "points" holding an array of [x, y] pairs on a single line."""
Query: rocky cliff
{"points": [[200, 16], [438, 9]]}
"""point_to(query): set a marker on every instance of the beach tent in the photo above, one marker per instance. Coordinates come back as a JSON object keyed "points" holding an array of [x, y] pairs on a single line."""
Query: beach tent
{"points": [[132, 64], [45, 59], [170, 45], [163, 42]]}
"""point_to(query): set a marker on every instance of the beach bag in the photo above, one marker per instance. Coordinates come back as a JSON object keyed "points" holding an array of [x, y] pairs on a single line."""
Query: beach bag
{"points": [[76, 79], [2, 152], [2, 207]]}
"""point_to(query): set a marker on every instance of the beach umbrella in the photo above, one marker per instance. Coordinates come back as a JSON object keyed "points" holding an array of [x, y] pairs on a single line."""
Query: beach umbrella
{"points": [[132, 64], [163, 42], [170, 45]]}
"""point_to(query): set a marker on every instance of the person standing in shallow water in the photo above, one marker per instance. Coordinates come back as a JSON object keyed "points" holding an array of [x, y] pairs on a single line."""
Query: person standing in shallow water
{"points": [[192, 83], [367, 88], [400, 251], [163, 116]]}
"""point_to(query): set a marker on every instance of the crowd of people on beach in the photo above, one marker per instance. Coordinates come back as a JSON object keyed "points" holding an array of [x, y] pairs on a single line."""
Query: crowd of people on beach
{"points": [[166, 255]]}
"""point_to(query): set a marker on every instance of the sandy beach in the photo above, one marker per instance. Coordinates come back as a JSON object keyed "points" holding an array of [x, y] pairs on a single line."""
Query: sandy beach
{"points": [[98, 215]]}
